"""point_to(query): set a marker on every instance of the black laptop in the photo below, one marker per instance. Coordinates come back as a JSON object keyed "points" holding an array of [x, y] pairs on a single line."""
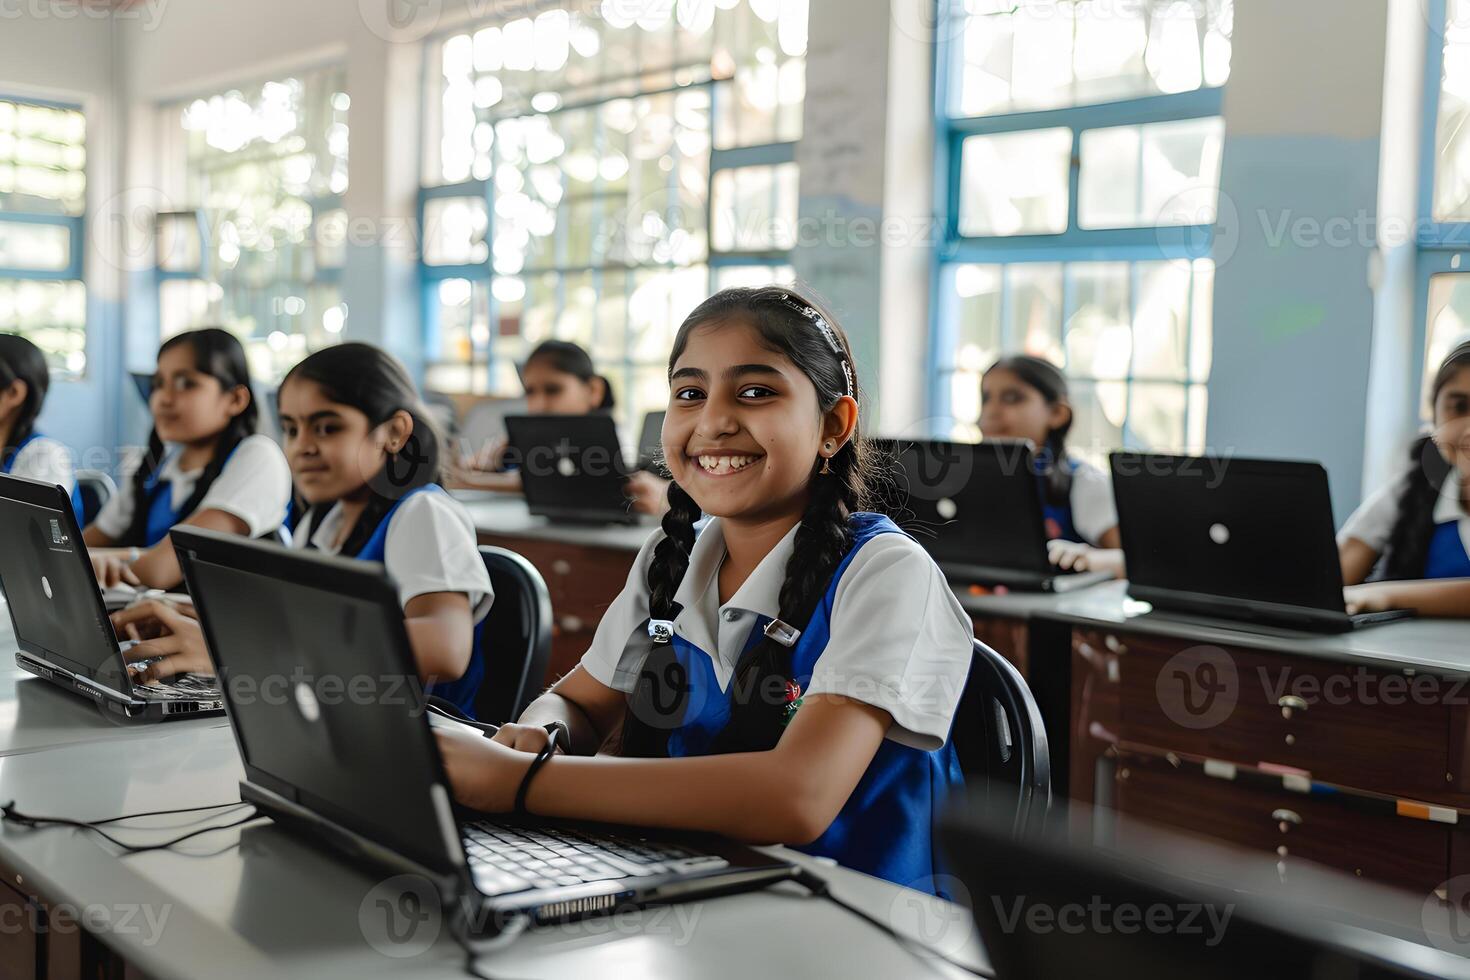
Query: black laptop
{"points": [[572, 467], [60, 620], [1166, 906], [977, 509], [1245, 539], [325, 704]]}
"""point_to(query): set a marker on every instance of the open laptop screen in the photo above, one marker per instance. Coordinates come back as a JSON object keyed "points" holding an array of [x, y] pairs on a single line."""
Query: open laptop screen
{"points": [[48, 583], [319, 696]]}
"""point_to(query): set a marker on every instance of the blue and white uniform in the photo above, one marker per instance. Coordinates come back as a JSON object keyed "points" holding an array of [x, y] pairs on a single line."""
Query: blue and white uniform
{"points": [[45, 459], [889, 632], [253, 485], [1090, 511], [427, 543], [1449, 547]]}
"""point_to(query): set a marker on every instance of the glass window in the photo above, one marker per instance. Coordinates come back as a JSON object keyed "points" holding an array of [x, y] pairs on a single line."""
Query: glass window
{"points": [[1019, 55], [1134, 176], [43, 194], [1448, 326], [588, 149], [265, 166], [1015, 183]]}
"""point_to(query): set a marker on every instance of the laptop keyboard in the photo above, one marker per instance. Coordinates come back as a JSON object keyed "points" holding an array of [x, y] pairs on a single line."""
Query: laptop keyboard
{"points": [[507, 859]]}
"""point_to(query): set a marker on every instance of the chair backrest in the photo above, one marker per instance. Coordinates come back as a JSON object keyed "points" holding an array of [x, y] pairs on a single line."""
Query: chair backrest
{"points": [[516, 637], [96, 489], [1001, 741]]}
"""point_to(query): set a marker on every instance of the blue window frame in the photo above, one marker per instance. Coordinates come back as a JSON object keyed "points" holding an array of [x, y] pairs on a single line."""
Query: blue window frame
{"points": [[43, 228], [1442, 232], [1079, 207]]}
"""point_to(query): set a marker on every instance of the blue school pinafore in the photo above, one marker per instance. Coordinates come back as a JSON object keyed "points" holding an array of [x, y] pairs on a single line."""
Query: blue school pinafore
{"points": [[460, 692], [1447, 557], [159, 499], [9, 461], [1057, 517], [886, 828]]}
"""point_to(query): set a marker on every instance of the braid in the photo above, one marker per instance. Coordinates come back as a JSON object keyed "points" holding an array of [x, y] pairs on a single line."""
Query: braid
{"points": [[1408, 542], [1056, 474], [657, 702], [137, 531]]}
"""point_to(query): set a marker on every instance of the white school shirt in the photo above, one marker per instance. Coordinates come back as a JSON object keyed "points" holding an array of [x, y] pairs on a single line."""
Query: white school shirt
{"points": [[46, 460], [1094, 512], [254, 485], [1373, 522], [430, 547], [899, 641]]}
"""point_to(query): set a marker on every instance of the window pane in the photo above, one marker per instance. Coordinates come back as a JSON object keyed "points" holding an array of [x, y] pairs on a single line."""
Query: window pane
{"points": [[755, 209], [53, 316], [1034, 308], [1202, 320], [1099, 340], [1448, 326], [179, 245], [1015, 184], [727, 276], [258, 161], [1451, 140], [43, 159], [1156, 417], [454, 231], [1039, 54], [1098, 412], [1137, 176], [1161, 321], [24, 245]]}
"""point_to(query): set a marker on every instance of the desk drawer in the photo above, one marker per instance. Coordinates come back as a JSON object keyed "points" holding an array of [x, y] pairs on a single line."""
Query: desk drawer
{"points": [[1399, 851], [1343, 723]]}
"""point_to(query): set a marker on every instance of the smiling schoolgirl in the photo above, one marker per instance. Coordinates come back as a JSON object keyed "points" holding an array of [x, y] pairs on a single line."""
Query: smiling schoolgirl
{"points": [[821, 650]]}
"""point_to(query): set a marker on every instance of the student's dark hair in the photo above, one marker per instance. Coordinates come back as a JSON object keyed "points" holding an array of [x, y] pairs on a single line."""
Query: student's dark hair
{"points": [[570, 358], [21, 360], [797, 327], [1413, 529], [377, 384], [1048, 379], [219, 354]]}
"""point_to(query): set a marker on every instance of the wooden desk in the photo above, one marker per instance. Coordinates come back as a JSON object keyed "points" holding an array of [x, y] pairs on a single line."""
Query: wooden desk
{"points": [[1349, 750]]}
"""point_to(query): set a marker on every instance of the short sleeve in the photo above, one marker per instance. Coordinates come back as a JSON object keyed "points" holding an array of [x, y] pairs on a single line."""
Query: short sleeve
{"points": [[431, 547], [900, 641], [46, 460], [612, 660], [254, 485], [1094, 512], [1372, 523], [116, 516]]}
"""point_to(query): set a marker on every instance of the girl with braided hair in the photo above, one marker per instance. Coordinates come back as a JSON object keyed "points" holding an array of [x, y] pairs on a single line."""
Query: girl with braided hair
{"points": [[789, 673], [205, 465], [1410, 541], [24, 449]]}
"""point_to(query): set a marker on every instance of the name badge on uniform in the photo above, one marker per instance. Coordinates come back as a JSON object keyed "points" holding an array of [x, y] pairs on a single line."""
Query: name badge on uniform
{"points": [[661, 630]]}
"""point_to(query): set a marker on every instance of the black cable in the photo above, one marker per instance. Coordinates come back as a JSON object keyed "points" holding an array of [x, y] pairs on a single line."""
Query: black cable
{"points": [[9, 812], [165, 813], [820, 889], [473, 948]]}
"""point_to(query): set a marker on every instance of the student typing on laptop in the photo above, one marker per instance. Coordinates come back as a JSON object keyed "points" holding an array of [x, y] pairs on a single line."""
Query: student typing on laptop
{"points": [[1025, 397], [790, 673], [1414, 534]]}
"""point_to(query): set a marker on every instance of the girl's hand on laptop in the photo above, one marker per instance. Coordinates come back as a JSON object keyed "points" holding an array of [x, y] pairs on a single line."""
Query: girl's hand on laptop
{"points": [[165, 633], [649, 493], [483, 774], [1071, 556], [1370, 598], [112, 568]]}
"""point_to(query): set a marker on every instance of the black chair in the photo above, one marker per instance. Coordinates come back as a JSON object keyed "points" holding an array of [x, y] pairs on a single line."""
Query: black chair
{"points": [[516, 637], [1001, 741], [96, 489]]}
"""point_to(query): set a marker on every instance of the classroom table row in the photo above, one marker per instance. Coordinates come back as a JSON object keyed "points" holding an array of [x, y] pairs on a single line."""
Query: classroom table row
{"points": [[255, 900], [1351, 750]]}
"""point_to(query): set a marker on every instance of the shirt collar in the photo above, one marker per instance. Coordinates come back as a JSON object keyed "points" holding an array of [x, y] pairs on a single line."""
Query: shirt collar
{"points": [[324, 538], [1447, 507], [698, 593], [169, 471]]}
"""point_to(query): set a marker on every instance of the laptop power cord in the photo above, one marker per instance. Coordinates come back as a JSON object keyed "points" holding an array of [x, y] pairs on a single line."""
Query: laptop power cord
{"points": [[819, 888], [9, 813]]}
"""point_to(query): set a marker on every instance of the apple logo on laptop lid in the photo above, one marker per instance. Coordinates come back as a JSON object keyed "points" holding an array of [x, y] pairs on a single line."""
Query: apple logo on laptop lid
{"points": [[1219, 533], [46, 587], [306, 702]]}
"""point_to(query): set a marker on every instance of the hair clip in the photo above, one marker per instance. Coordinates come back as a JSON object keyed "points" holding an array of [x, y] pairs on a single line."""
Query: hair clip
{"points": [[783, 633], [661, 630], [820, 322]]}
